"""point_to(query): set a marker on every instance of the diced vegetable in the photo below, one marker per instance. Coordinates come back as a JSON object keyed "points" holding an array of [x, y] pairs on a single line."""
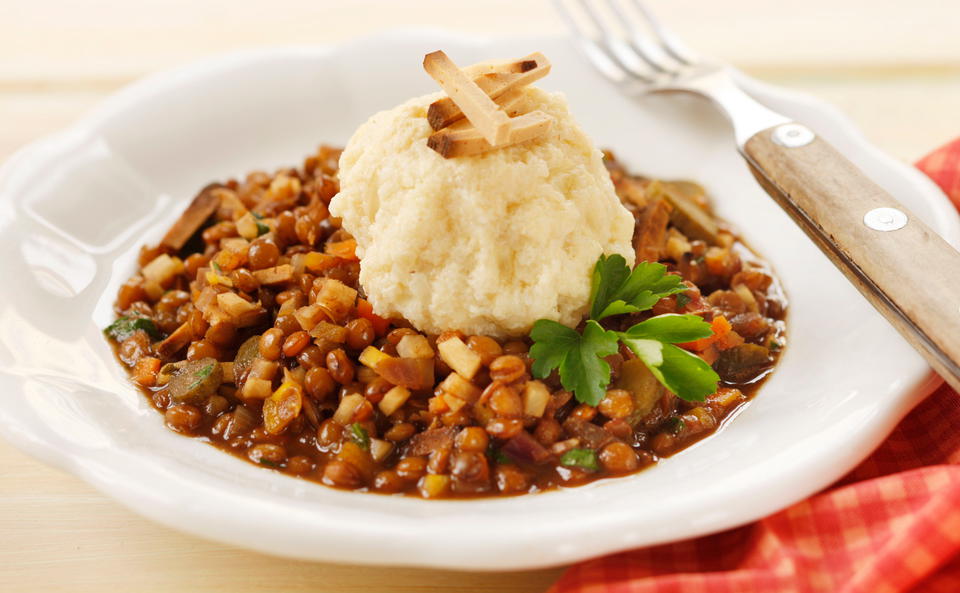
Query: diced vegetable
{"points": [[459, 357], [457, 386], [358, 458], [536, 396], [343, 249], [256, 388], [246, 354], [329, 331], [336, 298], [371, 357], [282, 408], [747, 295], [195, 381], [720, 327], [644, 388], [347, 408], [309, 316], [394, 399], [247, 226], [242, 312], [365, 310], [162, 270], [414, 346], [454, 403], [693, 220], [412, 373], [380, 449], [317, 263], [145, 371], [742, 362]]}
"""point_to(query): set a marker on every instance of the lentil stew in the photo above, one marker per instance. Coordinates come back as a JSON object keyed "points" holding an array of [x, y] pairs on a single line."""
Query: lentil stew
{"points": [[247, 326]]}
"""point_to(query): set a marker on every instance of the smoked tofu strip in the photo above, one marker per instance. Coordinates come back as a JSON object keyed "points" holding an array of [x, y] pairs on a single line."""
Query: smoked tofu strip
{"points": [[495, 83], [468, 141], [480, 109]]}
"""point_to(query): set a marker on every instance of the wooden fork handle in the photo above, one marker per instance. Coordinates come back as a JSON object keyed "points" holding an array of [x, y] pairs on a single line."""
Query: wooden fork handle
{"points": [[907, 271]]}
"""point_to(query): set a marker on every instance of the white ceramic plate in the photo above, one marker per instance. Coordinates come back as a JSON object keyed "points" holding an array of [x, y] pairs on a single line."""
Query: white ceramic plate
{"points": [[76, 206]]}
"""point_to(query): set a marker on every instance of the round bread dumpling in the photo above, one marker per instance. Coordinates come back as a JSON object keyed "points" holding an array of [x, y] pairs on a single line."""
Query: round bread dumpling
{"points": [[485, 244]]}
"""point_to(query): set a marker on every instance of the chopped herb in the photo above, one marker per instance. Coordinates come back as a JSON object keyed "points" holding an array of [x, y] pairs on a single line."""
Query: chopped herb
{"points": [[775, 345], [216, 268], [269, 463], [615, 289], [123, 328], [360, 436], [579, 356], [682, 300], [262, 228], [699, 259], [497, 455], [200, 376], [582, 458], [676, 424]]}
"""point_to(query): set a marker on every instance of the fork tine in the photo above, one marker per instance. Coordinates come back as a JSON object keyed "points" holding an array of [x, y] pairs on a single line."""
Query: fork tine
{"points": [[642, 46], [600, 55], [668, 40], [616, 48]]}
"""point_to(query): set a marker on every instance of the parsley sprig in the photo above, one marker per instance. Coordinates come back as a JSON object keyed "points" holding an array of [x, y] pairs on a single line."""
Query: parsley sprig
{"points": [[615, 290]]}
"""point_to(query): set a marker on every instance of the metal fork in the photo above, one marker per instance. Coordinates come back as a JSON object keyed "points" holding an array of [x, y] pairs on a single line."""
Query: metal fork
{"points": [[907, 271]]}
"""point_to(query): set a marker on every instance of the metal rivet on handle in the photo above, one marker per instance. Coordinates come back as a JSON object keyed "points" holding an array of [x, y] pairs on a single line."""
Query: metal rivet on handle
{"points": [[885, 219], [793, 135]]}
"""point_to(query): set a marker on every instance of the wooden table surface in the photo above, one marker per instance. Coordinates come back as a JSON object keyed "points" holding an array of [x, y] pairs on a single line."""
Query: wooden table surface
{"points": [[896, 73]]}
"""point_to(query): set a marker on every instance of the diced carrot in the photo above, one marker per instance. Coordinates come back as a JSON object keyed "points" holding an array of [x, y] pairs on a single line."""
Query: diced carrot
{"points": [[436, 405], [728, 340], [365, 310], [720, 326], [343, 249], [145, 371]]}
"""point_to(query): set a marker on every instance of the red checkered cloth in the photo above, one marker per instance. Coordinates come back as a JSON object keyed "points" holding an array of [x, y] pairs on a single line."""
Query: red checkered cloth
{"points": [[890, 525]]}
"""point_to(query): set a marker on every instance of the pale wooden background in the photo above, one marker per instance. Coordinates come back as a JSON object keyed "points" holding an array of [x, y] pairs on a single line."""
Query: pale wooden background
{"points": [[893, 66]]}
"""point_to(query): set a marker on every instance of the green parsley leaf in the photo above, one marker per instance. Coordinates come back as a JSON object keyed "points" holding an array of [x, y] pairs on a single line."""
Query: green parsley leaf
{"points": [[360, 436], [582, 458], [616, 290], [682, 372], [579, 357], [123, 328], [671, 328]]}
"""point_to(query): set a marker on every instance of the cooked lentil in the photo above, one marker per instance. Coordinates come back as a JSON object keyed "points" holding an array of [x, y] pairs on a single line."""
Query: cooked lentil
{"points": [[310, 381]]}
